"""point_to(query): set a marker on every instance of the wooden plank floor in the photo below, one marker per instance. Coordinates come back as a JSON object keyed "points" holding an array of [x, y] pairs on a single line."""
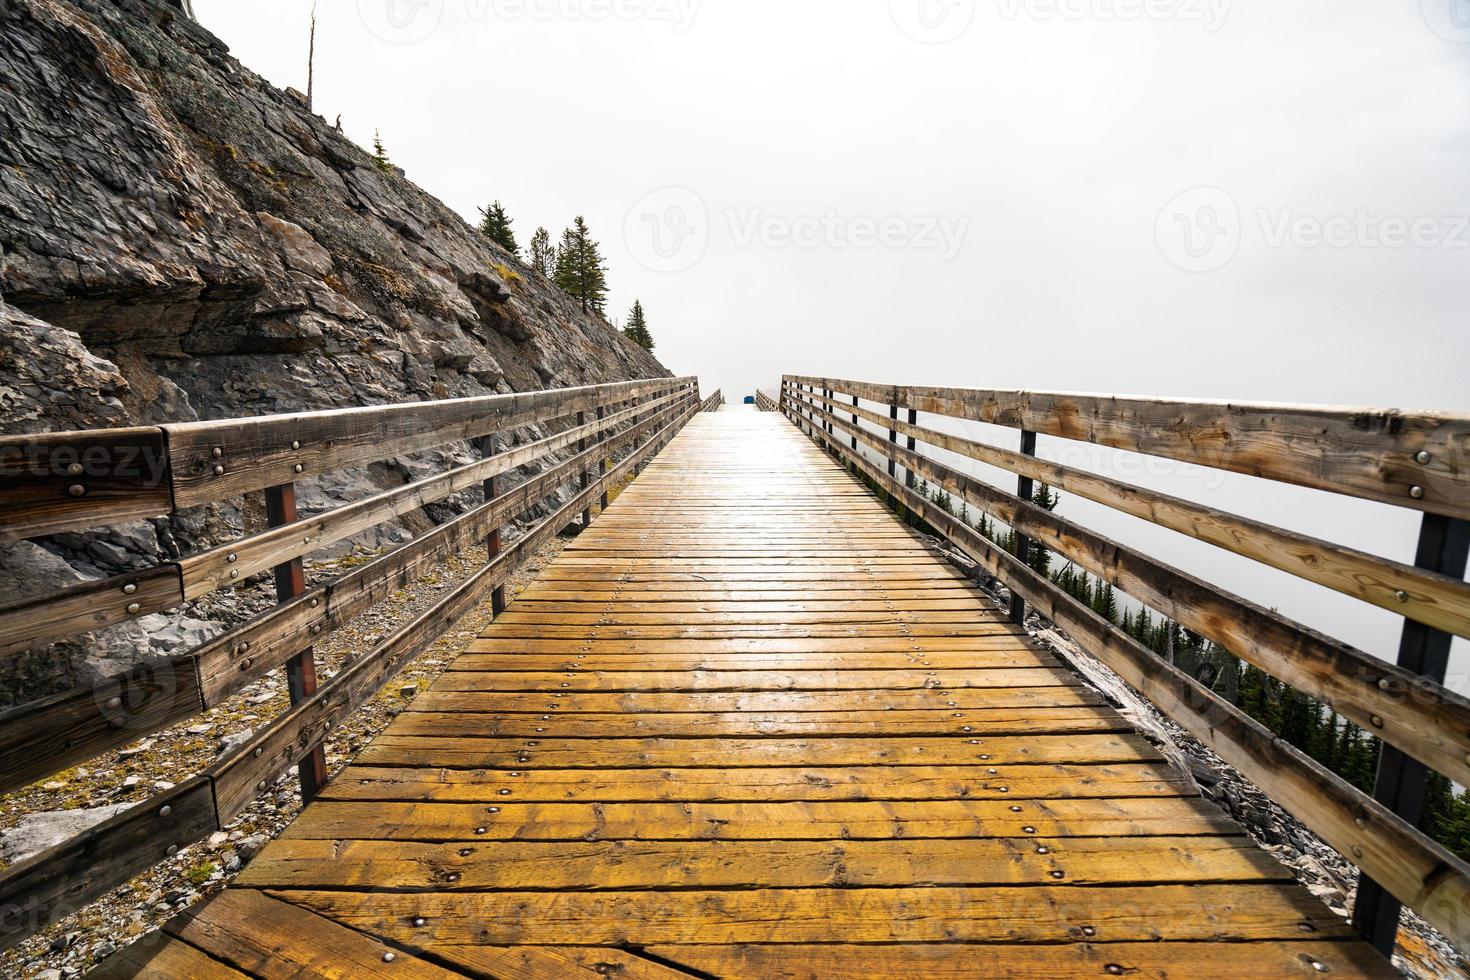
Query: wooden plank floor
{"points": [[748, 725]]}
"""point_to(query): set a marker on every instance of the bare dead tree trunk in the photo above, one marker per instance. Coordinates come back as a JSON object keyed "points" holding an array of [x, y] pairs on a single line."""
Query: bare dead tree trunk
{"points": [[311, 61]]}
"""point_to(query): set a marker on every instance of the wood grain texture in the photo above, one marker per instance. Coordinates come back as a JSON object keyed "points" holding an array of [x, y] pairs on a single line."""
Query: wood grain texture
{"points": [[267, 938], [57, 882], [955, 961], [1367, 452], [1422, 874], [257, 453], [1430, 598], [1424, 719], [70, 481], [1036, 914], [745, 712]]}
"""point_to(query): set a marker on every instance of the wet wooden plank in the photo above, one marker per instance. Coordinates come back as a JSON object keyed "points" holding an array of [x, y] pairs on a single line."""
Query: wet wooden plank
{"points": [[1067, 789], [547, 753], [787, 680], [955, 961], [940, 915], [162, 957], [638, 862], [897, 724], [765, 744], [271, 938], [757, 701], [888, 820], [540, 962]]}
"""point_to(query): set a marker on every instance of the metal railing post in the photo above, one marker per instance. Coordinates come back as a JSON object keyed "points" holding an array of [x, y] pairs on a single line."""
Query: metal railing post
{"points": [[489, 446], [1021, 545], [1444, 547], [301, 681]]}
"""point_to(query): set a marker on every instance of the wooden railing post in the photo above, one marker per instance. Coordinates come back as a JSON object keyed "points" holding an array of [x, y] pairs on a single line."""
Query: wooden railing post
{"points": [[489, 446], [586, 473], [1020, 543], [301, 681], [892, 438], [602, 456], [1444, 547], [853, 462], [637, 443]]}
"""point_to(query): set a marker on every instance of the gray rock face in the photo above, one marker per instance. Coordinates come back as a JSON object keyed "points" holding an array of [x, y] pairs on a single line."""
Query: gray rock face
{"points": [[179, 241], [38, 831]]}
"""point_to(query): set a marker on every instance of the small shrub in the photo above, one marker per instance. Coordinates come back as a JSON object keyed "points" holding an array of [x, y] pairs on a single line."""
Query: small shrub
{"points": [[201, 873]]}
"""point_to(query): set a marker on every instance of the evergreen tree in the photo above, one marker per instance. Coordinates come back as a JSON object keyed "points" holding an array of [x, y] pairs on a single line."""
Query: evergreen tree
{"points": [[580, 269], [1105, 603], [1047, 499], [380, 153], [1256, 699], [1301, 716], [637, 328], [1324, 746], [496, 227], [543, 253]]}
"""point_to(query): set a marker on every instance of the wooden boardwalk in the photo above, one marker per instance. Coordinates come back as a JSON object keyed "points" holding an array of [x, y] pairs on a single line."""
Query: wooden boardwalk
{"points": [[750, 725]]}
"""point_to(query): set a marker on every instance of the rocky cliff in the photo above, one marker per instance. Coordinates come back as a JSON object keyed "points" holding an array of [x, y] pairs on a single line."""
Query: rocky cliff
{"points": [[181, 240]]}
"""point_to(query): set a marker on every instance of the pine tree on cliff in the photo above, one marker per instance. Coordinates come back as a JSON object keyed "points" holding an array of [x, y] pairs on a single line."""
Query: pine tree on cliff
{"points": [[496, 227], [580, 269], [543, 253], [637, 328], [380, 153]]}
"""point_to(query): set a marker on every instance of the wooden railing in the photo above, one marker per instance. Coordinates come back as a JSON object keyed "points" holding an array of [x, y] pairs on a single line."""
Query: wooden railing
{"points": [[714, 402], [74, 480], [1419, 461], [765, 402]]}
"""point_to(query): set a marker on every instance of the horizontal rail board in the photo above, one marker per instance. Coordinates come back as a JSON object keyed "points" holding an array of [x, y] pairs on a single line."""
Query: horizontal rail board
{"points": [[1420, 717], [257, 453], [43, 737], [1436, 600], [239, 778], [58, 882], [66, 481], [1418, 871], [1419, 460], [41, 619], [47, 618], [224, 566]]}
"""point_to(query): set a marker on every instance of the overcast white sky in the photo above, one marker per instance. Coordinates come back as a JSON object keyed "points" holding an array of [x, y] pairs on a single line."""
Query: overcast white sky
{"points": [[1202, 198]]}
